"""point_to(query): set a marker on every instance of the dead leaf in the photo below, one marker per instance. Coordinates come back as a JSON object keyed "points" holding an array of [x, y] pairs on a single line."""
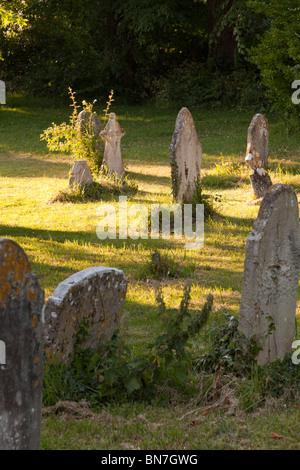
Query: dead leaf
{"points": [[193, 422], [273, 435]]}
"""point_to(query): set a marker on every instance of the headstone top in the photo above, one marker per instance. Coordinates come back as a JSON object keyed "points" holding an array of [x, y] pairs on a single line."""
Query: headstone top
{"points": [[80, 174], [112, 134], [95, 294], [258, 142], [87, 122]]}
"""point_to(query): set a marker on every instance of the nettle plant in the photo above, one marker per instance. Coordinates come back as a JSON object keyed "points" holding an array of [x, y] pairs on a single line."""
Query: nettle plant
{"points": [[69, 138]]}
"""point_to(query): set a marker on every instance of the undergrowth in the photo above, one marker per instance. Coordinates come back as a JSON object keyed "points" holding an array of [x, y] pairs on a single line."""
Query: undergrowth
{"points": [[172, 365], [117, 372], [106, 185]]}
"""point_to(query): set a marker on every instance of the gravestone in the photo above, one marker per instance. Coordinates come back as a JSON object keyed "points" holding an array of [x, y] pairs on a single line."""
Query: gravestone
{"points": [[257, 155], [96, 295], [80, 174], [21, 331], [88, 123], [271, 274], [185, 155], [112, 135], [2, 92]]}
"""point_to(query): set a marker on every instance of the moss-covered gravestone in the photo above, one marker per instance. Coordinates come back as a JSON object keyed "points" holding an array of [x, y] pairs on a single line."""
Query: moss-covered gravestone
{"points": [[95, 297], [257, 155], [21, 335], [271, 275]]}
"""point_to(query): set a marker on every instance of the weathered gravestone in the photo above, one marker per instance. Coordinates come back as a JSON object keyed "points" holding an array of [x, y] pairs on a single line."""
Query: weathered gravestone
{"points": [[21, 330], [112, 135], [80, 174], [88, 123], [257, 155], [271, 274], [96, 295], [2, 92], [185, 155]]}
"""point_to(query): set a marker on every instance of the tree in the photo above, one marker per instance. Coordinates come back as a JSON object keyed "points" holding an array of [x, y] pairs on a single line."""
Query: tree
{"points": [[11, 19], [278, 53]]}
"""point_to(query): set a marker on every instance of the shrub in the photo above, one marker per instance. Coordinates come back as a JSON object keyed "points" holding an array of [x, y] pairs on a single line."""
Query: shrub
{"points": [[117, 372], [68, 138]]}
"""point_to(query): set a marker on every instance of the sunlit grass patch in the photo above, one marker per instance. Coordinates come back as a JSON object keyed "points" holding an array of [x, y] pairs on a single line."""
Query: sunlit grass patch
{"points": [[60, 239]]}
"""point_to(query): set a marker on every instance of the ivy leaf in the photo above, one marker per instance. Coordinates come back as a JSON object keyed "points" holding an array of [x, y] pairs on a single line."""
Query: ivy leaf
{"points": [[132, 384]]}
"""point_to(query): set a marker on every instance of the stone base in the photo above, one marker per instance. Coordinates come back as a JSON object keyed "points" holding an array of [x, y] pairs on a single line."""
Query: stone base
{"points": [[80, 174], [260, 184]]}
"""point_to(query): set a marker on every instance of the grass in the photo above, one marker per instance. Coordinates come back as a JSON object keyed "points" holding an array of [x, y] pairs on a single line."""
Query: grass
{"points": [[60, 239]]}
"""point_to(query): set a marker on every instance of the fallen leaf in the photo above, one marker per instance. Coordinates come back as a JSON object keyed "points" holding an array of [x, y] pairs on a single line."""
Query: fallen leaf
{"points": [[193, 422], [273, 435]]}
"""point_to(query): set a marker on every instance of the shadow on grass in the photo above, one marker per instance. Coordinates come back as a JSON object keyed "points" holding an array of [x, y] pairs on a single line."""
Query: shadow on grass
{"points": [[15, 167], [62, 259], [155, 179]]}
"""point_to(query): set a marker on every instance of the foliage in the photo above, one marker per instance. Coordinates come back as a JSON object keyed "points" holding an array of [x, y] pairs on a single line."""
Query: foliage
{"points": [[11, 20], [71, 138], [197, 84], [230, 349], [116, 372], [277, 55], [142, 49], [104, 186], [161, 266]]}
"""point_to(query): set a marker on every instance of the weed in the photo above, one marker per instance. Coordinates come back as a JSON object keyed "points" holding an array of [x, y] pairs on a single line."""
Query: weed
{"points": [[117, 372]]}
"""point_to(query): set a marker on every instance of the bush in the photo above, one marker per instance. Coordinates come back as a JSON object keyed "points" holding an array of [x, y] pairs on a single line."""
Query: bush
{"points": [[81, 144], [277, 55], [194, 84]]}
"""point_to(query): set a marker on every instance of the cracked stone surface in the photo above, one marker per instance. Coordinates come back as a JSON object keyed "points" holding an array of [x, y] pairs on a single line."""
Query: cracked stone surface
{"points": [[96, 294], [257, 154], [21, 330], [271, 274]]}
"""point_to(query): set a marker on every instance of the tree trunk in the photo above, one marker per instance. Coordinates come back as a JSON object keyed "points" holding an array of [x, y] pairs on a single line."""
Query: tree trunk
{"points": [[224, 43]]}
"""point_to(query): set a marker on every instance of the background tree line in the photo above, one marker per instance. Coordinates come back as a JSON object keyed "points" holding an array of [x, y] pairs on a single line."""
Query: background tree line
{"points": [[193, 51]]}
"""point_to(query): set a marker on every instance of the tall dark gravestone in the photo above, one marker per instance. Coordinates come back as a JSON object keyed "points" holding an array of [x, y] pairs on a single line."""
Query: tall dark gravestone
{"points": [[21, 361]]}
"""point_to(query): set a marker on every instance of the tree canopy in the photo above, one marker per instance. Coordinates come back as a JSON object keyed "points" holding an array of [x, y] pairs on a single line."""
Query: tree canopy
{"points": [[201, 50]]}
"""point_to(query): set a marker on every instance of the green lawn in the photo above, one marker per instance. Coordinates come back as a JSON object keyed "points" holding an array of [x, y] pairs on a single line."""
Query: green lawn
{"points": [[61, 239]]}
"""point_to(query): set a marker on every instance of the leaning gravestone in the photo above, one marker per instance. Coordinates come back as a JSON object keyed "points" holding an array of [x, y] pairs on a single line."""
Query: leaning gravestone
{"points": [[2, 92], [271, 274], [21, 331], [112, 135], [257, 155], [185, 155], [80, 174], [95, 295]]}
